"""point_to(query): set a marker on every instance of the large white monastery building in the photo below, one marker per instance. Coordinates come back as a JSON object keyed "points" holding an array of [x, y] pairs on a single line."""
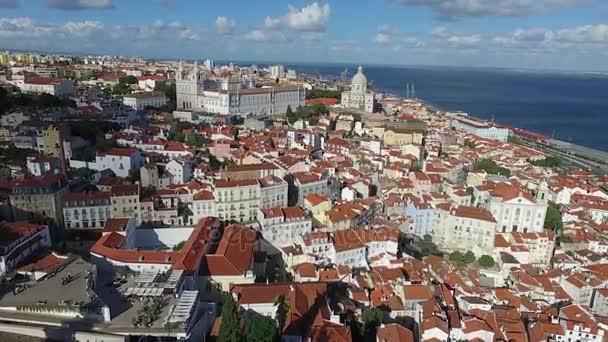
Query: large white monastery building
{"points": [[233, 95], [358, 96]]}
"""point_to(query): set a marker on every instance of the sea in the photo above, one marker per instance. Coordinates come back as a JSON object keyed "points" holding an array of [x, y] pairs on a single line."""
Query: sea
{"points": [[568, 106]]}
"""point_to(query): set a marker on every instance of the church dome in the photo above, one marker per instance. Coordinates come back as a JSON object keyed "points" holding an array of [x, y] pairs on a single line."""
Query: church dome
{"points": [[359, 79]]}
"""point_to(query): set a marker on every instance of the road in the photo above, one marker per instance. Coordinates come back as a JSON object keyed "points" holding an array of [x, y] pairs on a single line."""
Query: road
{"points": [[569, 160]]}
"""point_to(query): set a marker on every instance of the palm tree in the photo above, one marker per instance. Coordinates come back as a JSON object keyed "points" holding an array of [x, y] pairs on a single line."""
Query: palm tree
{"points": [[282, 305]]}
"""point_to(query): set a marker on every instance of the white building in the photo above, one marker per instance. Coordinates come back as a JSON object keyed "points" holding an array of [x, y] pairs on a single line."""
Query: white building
{"points": [[349, 249], [237, 200], [283, 226], [464, 229], [86, 210], [120, 160], [273, 192], [514, 208], [39, 165], [277, 71], [480, 128], [358, 96], [50, 85], [181, 169], [140, 101], [232, 95], [203, 205]]}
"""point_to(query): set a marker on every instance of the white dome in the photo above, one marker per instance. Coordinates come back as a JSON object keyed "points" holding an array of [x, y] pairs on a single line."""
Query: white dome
{"points": [[359, 78]]}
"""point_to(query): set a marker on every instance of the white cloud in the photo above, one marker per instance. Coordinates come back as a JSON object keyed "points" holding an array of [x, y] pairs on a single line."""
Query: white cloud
{"points": [[225, 25], [587, 34], [458, 40], [312, 18], [26, 31], [189, 34], [260, 35], [385, 34], [83, 28], [413, 43], [79, 4], [19, 28], [272, 23], [463, 9], [311, 21], [542, 38], [383, 38]]}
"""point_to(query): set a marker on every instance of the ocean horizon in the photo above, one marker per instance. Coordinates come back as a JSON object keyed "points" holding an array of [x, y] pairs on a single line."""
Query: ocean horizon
{"points": [[566, 105]]}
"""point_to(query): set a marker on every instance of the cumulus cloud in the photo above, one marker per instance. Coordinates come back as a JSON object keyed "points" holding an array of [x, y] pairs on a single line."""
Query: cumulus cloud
{"points": [[458, 40], [225, 25], [382, 38], [260, 35], [463, 9], [9, 3], [311, 18], [272, 23], [83, 28], [311, 21], [73, 5], [19, 28], [542, 38], [26, 31]]}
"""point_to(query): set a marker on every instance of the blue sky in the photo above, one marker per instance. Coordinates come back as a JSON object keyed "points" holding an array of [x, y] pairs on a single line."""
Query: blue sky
{"points": [[544, 34]]}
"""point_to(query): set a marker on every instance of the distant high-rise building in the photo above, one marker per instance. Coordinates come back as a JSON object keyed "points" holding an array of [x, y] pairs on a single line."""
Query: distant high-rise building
{"points": [[277, 71], [209, 64]]}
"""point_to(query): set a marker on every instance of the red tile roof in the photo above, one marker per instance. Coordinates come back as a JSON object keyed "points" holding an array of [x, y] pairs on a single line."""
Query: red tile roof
{"points": [[11, 231], [234, 254]]}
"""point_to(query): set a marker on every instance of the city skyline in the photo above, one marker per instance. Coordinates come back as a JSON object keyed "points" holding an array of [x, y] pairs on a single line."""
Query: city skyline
{"points": [[547, 34]]}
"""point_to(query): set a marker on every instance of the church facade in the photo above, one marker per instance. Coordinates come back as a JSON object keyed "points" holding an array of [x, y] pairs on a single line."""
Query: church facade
{"points": [[232, 95], [358, 96]]}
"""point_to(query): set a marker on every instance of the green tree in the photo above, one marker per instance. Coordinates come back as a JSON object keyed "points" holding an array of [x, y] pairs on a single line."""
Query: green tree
{"points": [[469, 257], [230, 329], [462, 260], [372, 318], [214, 163], [289, 111], [491, 167], [179, 246], [553, 218], [128, 80], [456, 256], [550, 161], [260, 329], [193, 140], [170, 93], [318, 93], [486, 261], [469, 143], [282, 310], [180, 137]]}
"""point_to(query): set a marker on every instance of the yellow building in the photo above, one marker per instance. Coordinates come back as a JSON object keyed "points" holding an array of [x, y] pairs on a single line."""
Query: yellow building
{"points": [[5, 58], [38, 198], [402, 136], [317, 206]]}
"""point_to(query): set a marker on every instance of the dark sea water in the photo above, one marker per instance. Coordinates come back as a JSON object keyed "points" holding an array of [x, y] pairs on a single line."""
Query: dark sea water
{"points": [[568, 106]]}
